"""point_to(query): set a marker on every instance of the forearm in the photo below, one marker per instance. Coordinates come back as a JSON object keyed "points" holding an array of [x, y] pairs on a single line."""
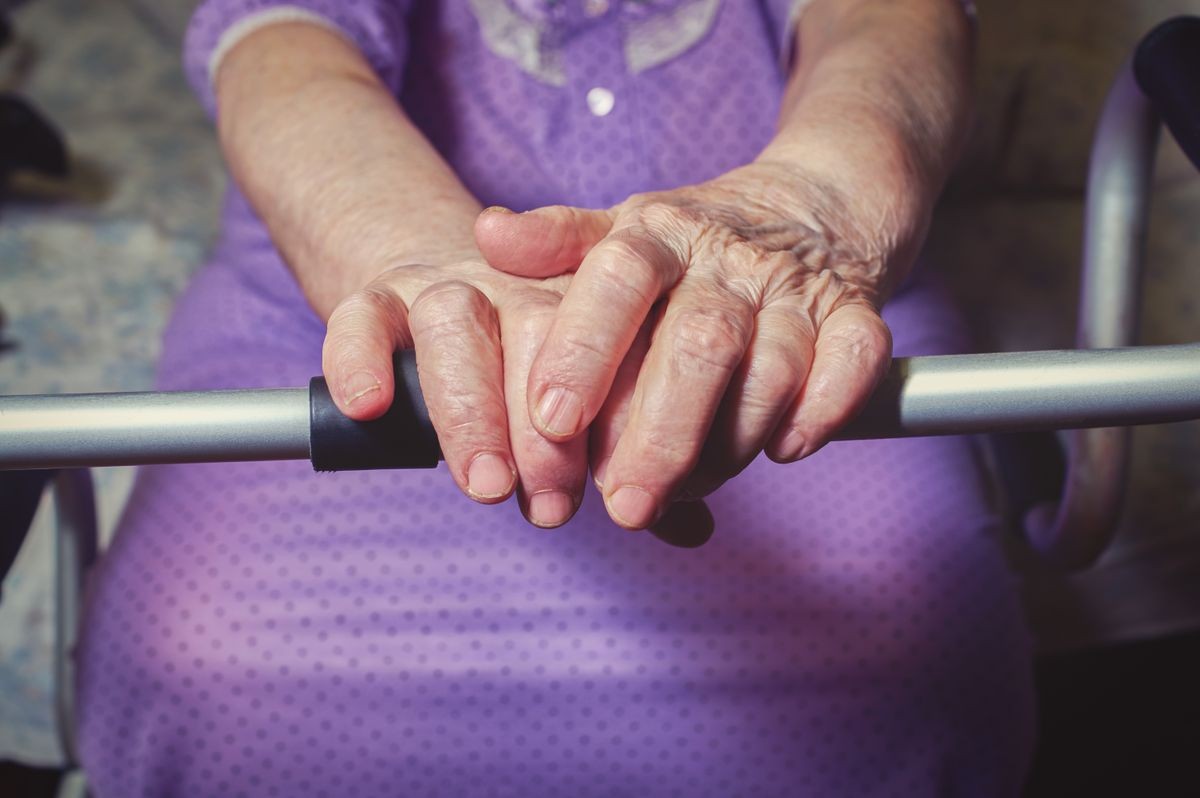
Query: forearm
{"points": [[345, 183], [878, 103]]}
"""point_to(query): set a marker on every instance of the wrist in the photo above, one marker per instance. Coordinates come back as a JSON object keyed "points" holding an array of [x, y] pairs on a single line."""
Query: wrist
{"points": [[869, 163], [346, 185]]}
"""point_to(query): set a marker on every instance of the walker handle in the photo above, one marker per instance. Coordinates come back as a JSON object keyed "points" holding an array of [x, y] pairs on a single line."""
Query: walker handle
{"points": [[1167, 68], [403, 437]]}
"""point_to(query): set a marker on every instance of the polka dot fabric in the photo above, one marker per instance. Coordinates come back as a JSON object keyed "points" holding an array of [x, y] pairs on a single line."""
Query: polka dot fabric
{"points": [[260, 630]]}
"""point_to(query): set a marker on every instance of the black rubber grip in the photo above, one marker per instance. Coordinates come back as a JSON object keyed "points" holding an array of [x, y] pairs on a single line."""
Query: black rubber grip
{"points": [[402, 438], [1167, 69]]}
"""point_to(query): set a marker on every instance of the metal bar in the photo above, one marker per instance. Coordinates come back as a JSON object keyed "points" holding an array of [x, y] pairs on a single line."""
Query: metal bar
{"points": [[1116, 218], [953, 394], [134, 428], [1120, 180], [1007, 392], [75, 548]]}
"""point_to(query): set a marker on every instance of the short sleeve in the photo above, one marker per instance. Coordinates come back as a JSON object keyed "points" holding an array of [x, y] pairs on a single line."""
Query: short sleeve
{"points": [[376, 27], [784, 15]]}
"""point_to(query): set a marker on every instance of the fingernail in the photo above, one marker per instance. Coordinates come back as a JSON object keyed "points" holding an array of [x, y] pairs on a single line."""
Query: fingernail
{"points": [[793, 446], [358, 385], [497, 209], [632, 507], [599, 471], [550, 508], [489, 477], [559, 411]]}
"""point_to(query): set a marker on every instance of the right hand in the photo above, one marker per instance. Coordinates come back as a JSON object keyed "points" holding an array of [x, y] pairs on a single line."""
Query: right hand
{"points": [[476, 332]]}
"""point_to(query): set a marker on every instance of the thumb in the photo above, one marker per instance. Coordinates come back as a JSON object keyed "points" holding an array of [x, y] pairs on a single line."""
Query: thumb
{"points": [[364, 331], [540, 243]]}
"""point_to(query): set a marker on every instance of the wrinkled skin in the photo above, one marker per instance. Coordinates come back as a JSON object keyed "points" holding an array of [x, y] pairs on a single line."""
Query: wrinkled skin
{"points": [[475, 331], [687, 329]]}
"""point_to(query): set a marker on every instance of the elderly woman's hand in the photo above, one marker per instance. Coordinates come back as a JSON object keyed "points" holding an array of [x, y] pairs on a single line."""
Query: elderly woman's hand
{"points": [[376, 228], [475, 331], [754, 300]]}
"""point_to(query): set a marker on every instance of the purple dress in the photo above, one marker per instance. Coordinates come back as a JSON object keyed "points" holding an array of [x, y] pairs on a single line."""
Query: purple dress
{"points": [[261, 630]]}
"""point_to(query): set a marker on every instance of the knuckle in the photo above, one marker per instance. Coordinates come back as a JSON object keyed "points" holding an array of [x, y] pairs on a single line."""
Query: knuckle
{"points": [[374, 303], [669, 216], [636, 204], [862, 343], [742, 257], [626, 275], [633, 252], [673, 226], [530, 312], [532, 325], [364, 321], [450, 303], [714, 336], [454, 294], [657, 214]]}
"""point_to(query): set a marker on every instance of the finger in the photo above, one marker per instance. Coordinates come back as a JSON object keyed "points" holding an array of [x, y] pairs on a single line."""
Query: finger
{"points": [[605, 305], [852, 353], [613, 417], [362, 336], [696, 349], [457, 338], [540, 243], [551, 474], [761, 392]]}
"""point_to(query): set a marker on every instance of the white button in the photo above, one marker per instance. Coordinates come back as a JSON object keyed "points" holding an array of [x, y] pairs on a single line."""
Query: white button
{"points": [[600, 101], [595, 8]]}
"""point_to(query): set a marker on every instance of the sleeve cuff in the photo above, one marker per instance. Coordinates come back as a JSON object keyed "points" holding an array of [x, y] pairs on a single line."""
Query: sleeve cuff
{"points": [[259, 20], [787, 47], [219, 25]]}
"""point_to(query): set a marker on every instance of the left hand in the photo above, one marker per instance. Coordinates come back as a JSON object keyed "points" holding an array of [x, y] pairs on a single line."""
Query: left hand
{"points": [[704, 325]]}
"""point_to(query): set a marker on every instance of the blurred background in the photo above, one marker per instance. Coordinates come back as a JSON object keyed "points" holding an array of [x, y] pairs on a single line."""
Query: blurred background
{"points": [[89, 266]]}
